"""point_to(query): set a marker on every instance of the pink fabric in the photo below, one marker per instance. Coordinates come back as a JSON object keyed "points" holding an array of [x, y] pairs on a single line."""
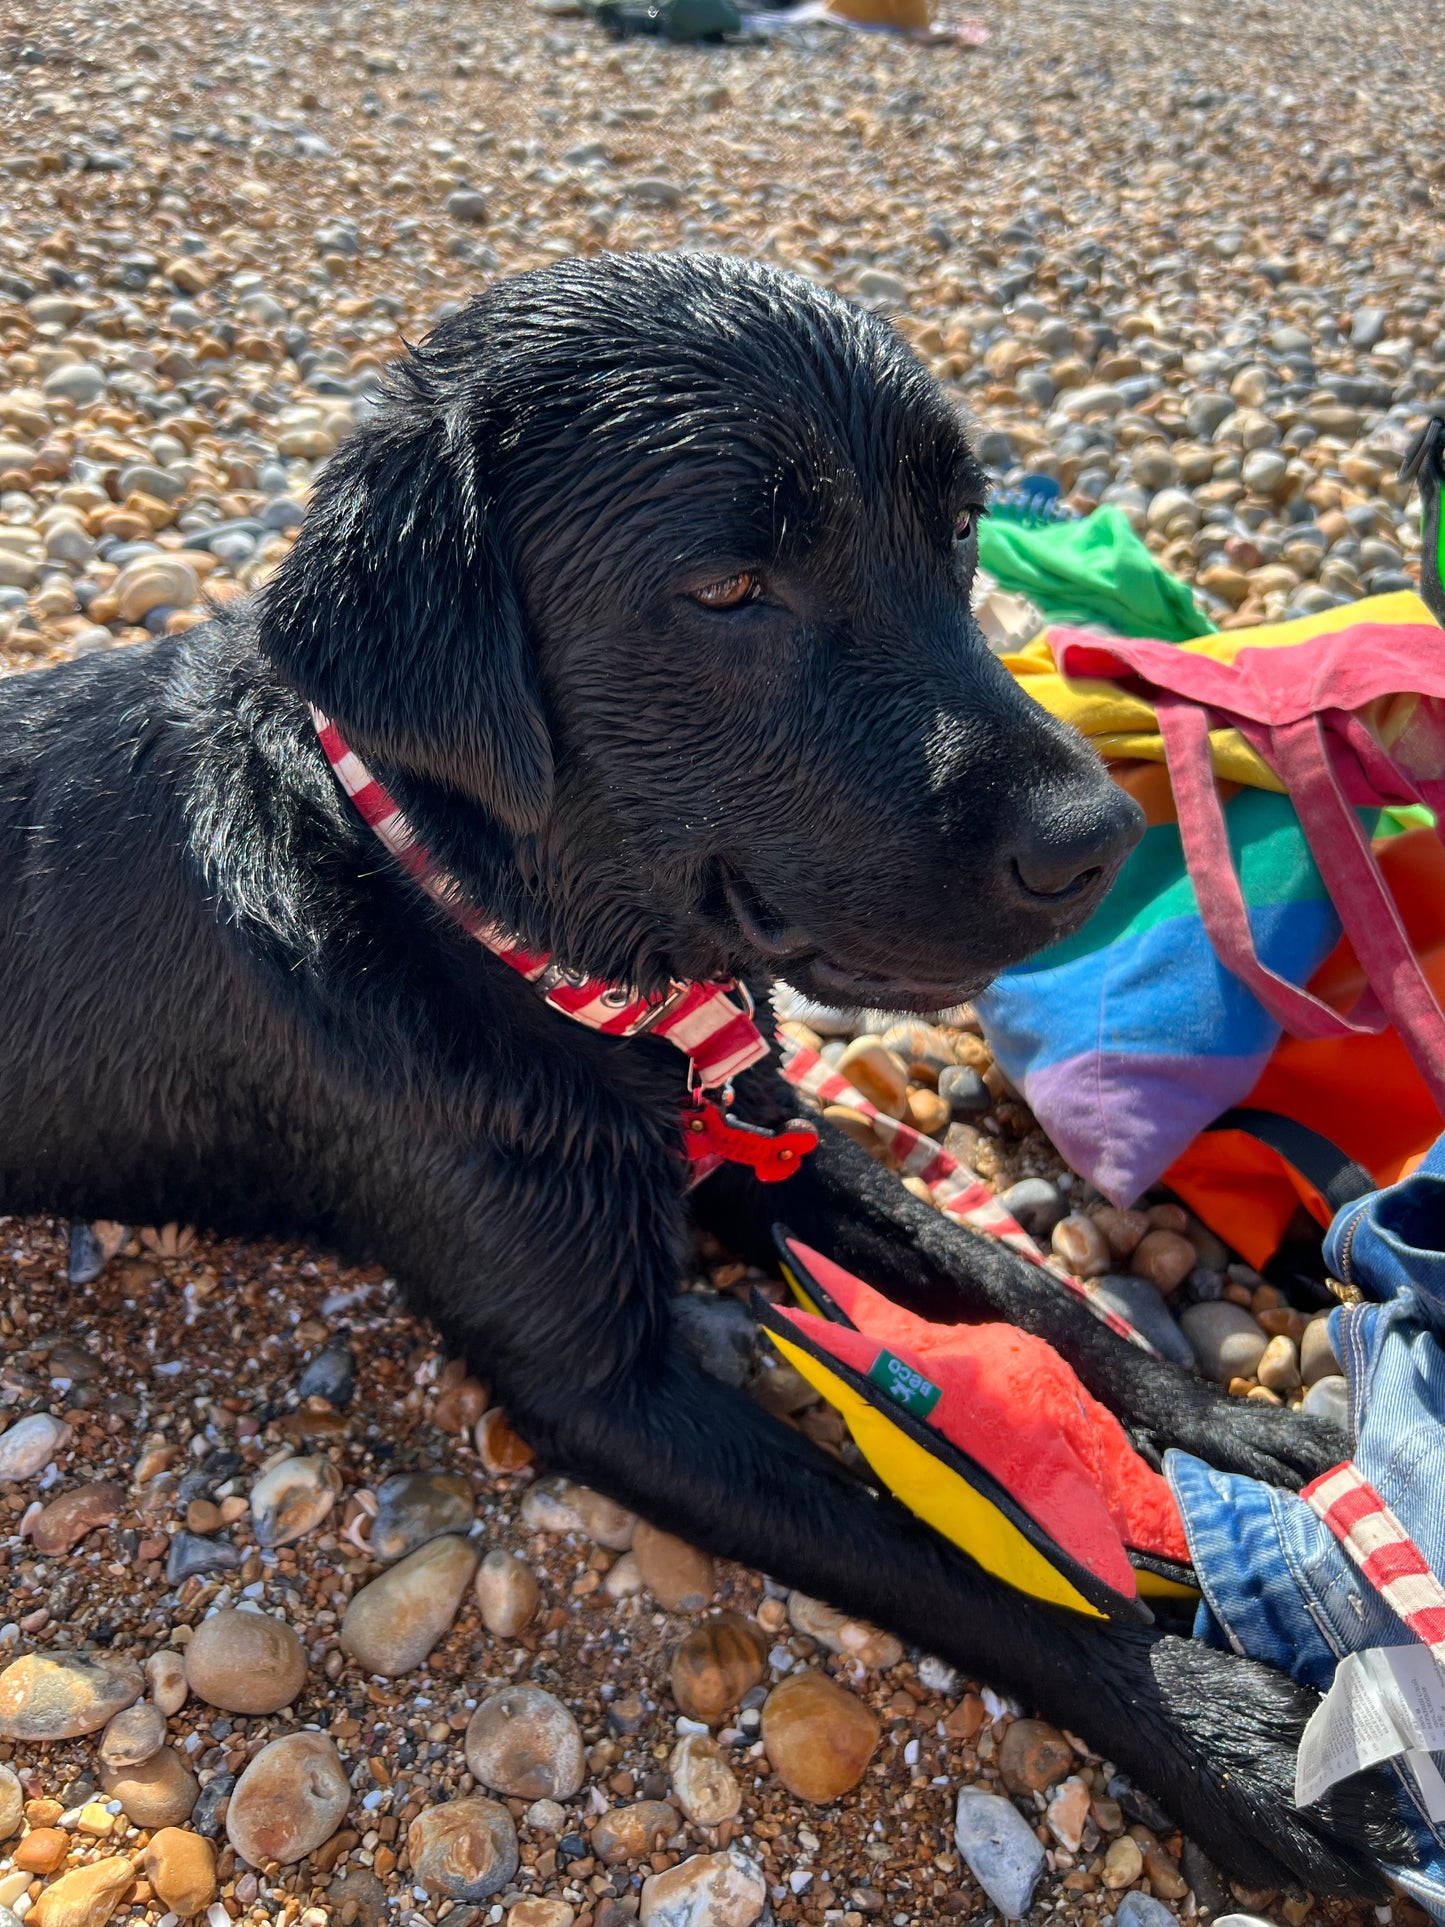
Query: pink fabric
{"points": [[1298, 707]]}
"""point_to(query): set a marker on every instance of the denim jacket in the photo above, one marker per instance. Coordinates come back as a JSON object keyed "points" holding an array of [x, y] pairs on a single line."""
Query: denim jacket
{"points": [[1277, 1586]]}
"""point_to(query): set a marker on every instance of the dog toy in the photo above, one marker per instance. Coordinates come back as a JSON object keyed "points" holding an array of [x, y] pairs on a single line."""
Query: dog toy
{"points": [[988, 1436]]}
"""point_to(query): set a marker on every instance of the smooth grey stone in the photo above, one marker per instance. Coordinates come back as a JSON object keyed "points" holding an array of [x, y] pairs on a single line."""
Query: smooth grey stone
{"points": [[1367, 327], [413, 1507], [1138, 1301], [1226, 1340], [282, 513], [1329, 1398], [1142, 1910], [1002, 1851], [1037, 1205], [1204, 1877], [190, 1555], [331, 1374], [964, 1091], [465, 204], [86, 1259], [150, 480], [78, 381]]}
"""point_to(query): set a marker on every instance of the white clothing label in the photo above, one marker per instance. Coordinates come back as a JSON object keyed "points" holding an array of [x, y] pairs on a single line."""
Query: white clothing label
{"points": [[1384, 1702]]}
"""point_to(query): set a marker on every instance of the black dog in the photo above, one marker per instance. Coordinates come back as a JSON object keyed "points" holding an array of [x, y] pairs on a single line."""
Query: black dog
{"points": [[647, 595]]}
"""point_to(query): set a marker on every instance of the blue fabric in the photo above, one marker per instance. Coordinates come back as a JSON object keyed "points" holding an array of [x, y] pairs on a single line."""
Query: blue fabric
{"points": [[1277, 1586]]}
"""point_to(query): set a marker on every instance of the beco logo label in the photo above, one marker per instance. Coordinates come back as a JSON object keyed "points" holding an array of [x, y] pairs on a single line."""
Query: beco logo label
{"points": [[908, 1388]]}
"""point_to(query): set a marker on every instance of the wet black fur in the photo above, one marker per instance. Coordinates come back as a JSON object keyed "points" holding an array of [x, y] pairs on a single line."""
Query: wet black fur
{"points": [[219, 1001]]}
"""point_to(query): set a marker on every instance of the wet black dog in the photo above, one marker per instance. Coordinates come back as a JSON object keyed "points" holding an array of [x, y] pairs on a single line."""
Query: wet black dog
{"points": [[648, 596]]}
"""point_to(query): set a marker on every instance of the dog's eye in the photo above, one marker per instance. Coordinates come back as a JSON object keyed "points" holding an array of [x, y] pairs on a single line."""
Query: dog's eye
{"points": [[729, 591], [964, 527]]}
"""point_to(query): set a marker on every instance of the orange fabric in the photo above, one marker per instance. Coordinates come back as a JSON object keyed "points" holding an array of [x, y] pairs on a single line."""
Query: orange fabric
{"points": [[1363, 1093], [1019, 1410], [909, 16]]}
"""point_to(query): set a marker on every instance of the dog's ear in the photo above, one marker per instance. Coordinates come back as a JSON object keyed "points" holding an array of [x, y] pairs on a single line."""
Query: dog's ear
{"points": [[396, 614]]}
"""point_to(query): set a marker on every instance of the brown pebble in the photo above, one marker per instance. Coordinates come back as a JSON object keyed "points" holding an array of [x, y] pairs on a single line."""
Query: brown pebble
{"points": [[716, 1664], [703, 1781], [181, 1867], [86, 1896], [818, 1736], [464, 1849], [245, 1662], [133, 1736], [507, 1593], [1033, 1756], [160, 1792], [679, 1577], [629, 1833], [500, 1448], [67, 1519], [1278, 1368], [1123, 1229], [1165, 1258], [292, 1797], [42, 1850], [524, 1742]]}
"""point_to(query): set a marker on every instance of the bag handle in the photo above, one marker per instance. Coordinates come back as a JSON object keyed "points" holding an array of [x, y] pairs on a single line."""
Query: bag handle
{"points": [[1184, 727], [1318, 1159], [1300, 756]]}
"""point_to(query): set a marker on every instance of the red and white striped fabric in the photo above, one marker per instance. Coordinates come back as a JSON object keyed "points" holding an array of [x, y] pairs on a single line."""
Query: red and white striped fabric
{"points": [[1382, 1549], [717, 1037], [955, 1188]]}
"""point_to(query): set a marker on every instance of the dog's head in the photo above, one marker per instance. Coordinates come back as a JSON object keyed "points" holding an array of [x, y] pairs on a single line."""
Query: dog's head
{"points": [[654, 574]]}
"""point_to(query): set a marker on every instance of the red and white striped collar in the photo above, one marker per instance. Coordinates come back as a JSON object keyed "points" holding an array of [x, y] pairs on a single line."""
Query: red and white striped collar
{"points": [[716, 1035]]}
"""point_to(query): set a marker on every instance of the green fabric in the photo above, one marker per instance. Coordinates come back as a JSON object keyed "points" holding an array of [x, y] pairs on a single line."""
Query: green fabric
{"points": [[1093, 571], [699, 19]]}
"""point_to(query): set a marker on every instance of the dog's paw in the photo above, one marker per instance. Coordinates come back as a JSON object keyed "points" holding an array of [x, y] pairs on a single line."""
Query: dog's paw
{"points": [[1231, 1756], [1265, 1442]]}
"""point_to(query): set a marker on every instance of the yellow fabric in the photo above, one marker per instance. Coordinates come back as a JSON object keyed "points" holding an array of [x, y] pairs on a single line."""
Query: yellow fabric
{"points": [[938, 1495], [1153, 1585], [1122, 727]]}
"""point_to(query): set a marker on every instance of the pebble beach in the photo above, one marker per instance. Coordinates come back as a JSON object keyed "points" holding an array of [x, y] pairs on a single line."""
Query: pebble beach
{"points": [[293, 1628]]}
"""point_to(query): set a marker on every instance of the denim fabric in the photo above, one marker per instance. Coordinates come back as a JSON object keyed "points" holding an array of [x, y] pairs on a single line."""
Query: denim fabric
{"points": [[1277, 1586]]}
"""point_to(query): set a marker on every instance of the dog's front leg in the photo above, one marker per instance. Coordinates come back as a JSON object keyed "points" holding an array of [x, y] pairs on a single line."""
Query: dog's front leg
{"points": [[1212, 1737], [855, 1212]]}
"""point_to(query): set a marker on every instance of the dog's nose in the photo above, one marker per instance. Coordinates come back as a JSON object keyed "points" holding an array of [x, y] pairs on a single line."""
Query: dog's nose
{"points": [[1062, 855]]}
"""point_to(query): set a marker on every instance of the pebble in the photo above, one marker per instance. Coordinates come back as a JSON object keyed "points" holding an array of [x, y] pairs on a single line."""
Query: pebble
{"points": [[541, 1912], [876, 1650], [12, 1803], [86, 1896], [160, 1792], [524, 1742], [1033, 1756], [60, 1695], [719, 1333], [1002, 1851], [1165, 1258], [632, 1832], [181, 1868], [1068, 1811], [500, 1447], [879, 1073], [133, 1736], [292, 1499], [245, 1662], [395, 1622], [42, 1850], [1139, 1301], [1082, 1246], [1227, 1342], [416, 1506], [679, 1577], [507, 1593], [818, 1736], [1278, 1366], [1316, 1356], [1123, 1863], [30, 1445], [1037, 1205], [1143, 1910], [1329, 1398], [703, 1781], [465, 1849], [165, 1674], [716, 1665], [291, 1798], [331, 1375], [708, 1890], [66, 1520]]}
